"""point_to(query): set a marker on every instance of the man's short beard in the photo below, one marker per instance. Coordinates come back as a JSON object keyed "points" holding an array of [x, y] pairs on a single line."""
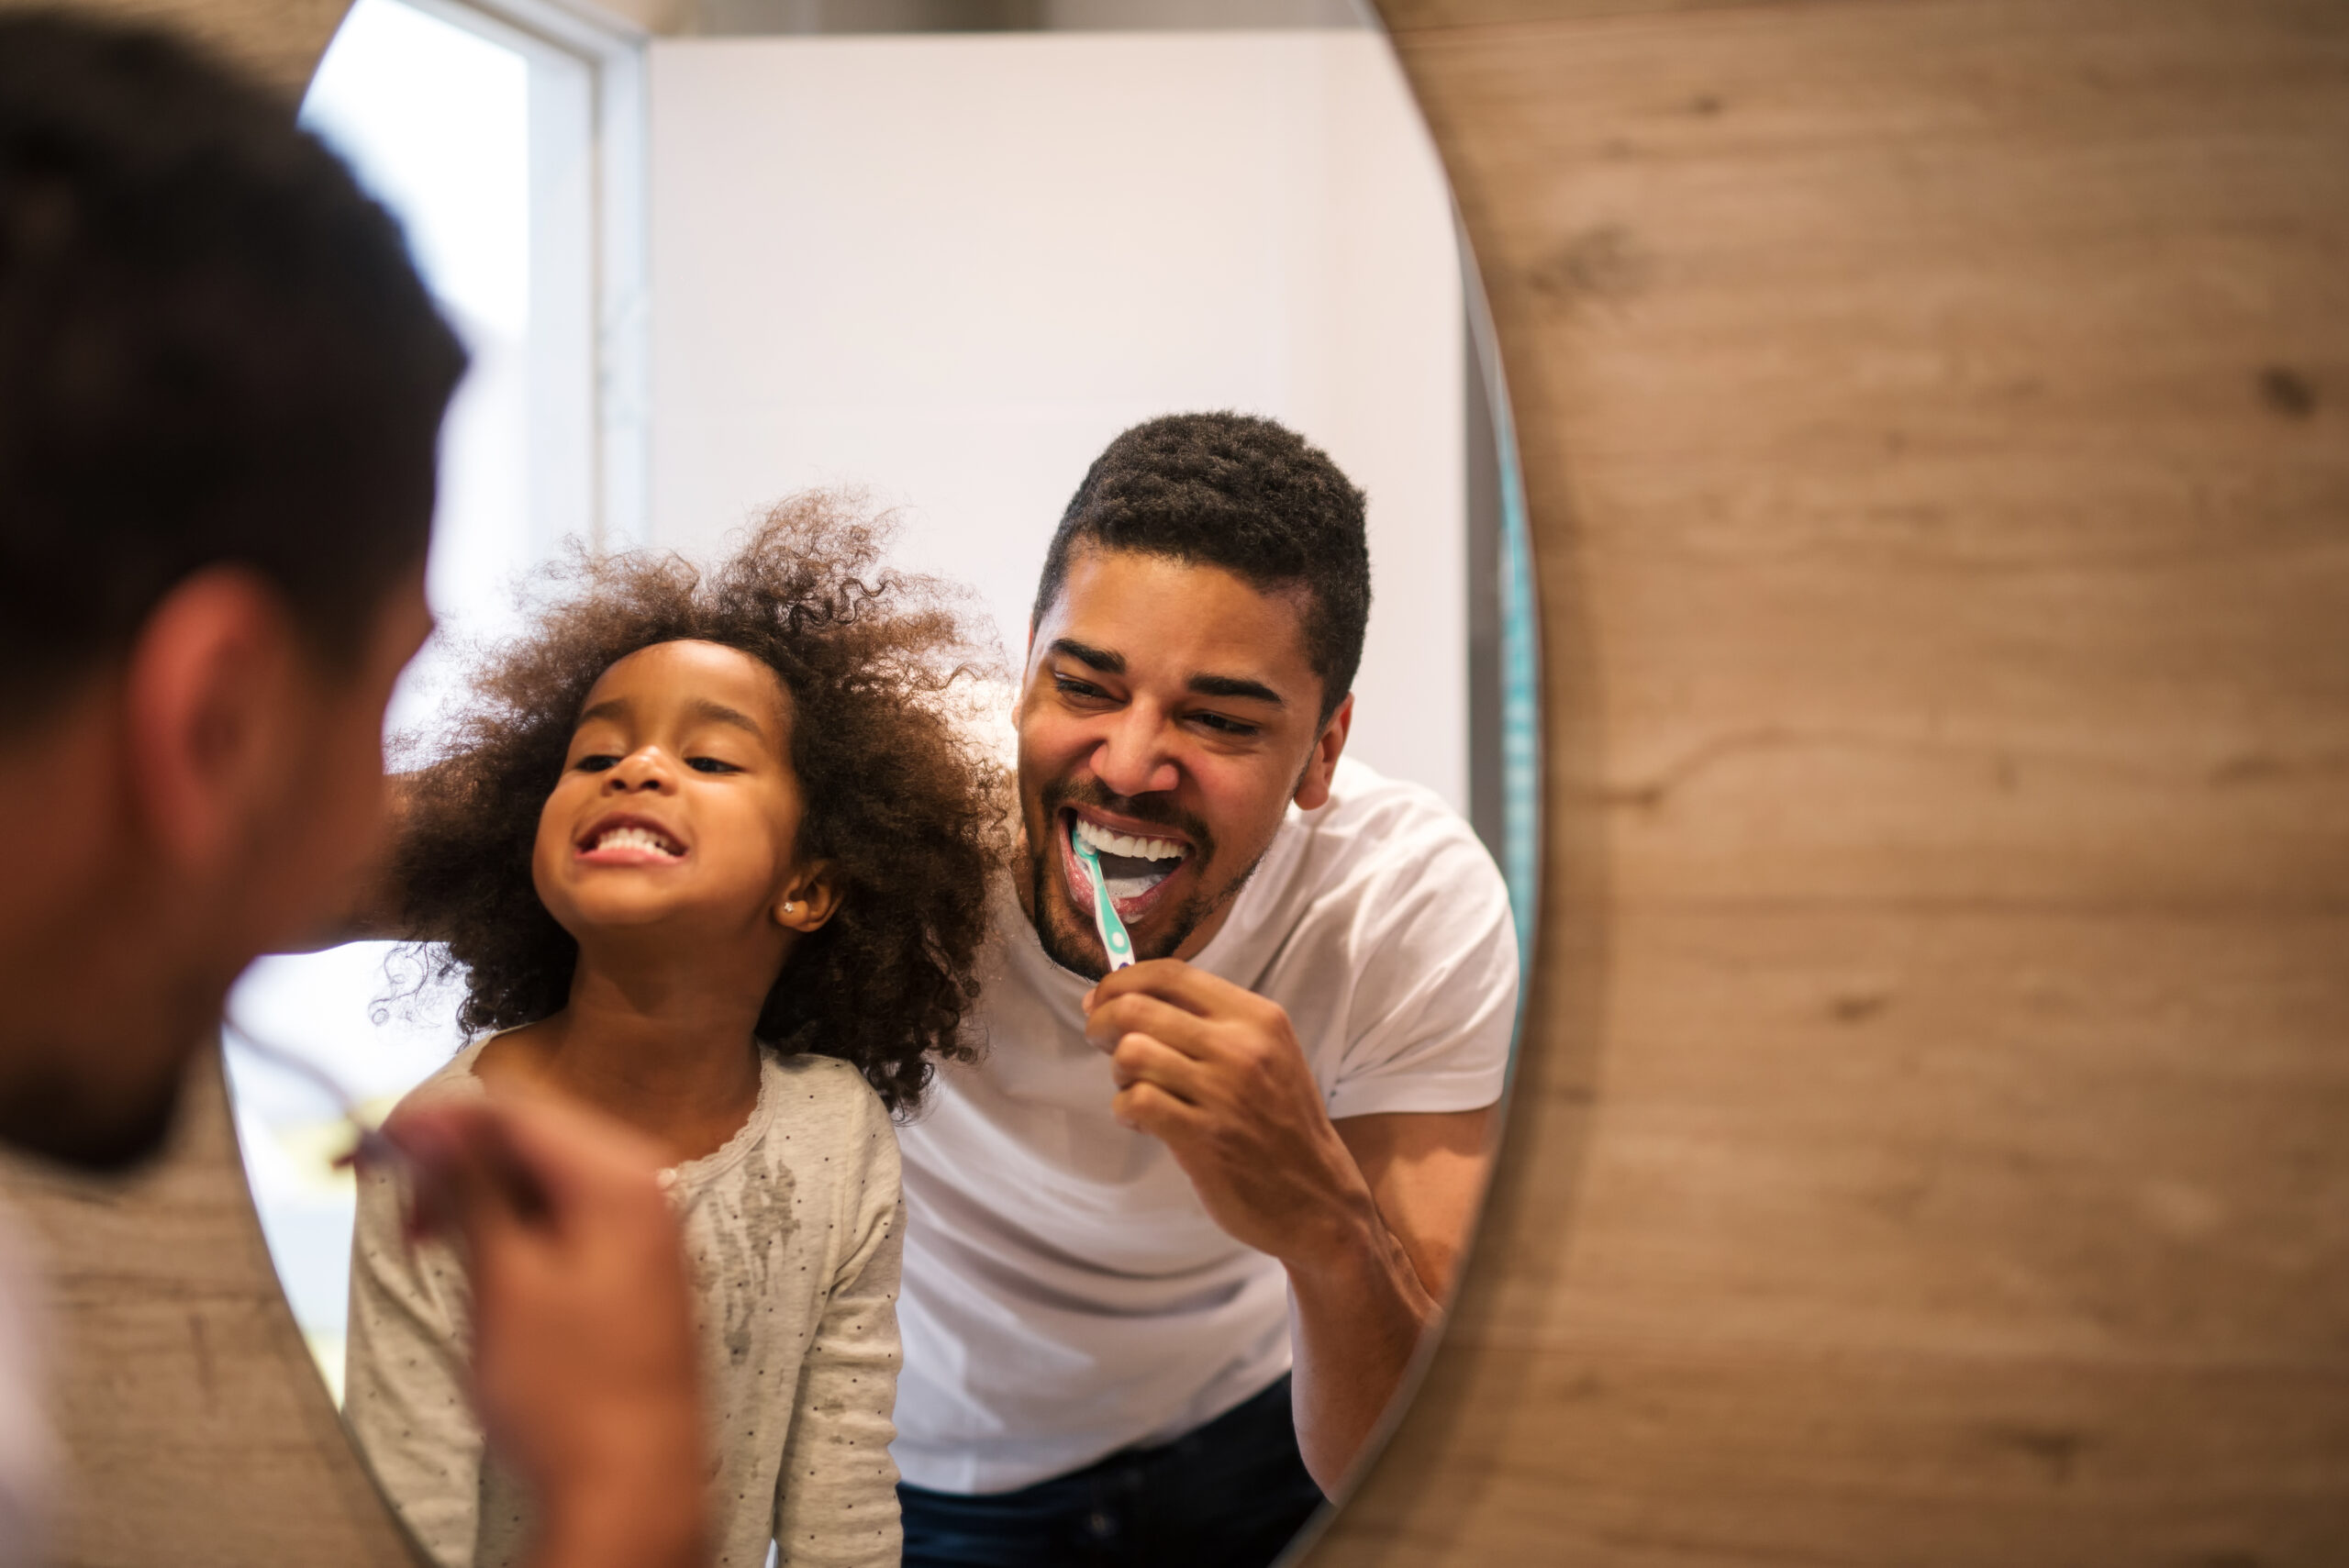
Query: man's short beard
{"points": [[49, 1110]]}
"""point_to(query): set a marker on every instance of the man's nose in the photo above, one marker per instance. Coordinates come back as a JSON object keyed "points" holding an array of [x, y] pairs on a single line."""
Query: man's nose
{"points": [[1132, 758]]}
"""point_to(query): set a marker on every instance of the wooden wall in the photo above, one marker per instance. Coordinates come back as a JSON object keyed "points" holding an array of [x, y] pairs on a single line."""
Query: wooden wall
{"points": [[1933, 1143]]}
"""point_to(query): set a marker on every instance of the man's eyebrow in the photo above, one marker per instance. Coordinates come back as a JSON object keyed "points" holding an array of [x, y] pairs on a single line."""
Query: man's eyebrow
{"points": [[1235, 686], [1092, 658]]}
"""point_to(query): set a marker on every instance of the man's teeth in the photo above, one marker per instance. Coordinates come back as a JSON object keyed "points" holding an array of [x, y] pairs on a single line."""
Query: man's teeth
{"points": [[633, 838], [1105, 842]]}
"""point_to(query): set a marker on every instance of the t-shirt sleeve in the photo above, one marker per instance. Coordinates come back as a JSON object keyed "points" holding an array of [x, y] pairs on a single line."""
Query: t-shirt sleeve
{"points": [[1433, 949], [403, 1375], [836, 1498]]}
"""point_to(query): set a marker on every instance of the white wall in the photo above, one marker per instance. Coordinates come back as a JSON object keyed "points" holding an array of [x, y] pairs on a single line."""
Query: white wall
{"points": [[948, 269]]}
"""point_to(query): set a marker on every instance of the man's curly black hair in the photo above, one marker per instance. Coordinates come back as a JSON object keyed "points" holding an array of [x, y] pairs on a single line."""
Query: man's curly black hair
{"points": [[898, 796], [1247, 495]]}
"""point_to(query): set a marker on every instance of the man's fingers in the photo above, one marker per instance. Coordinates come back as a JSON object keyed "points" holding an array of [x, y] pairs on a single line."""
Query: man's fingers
{"points": [[1171, 980], [1137, 1013], [453, 1185], [1139, 1059], [530, 1163], [1146, 1108], [573, 1151]]}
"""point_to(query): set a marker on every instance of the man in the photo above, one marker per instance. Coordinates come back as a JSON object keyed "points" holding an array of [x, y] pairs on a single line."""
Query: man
{"points": [[1258, 1149], [221, 385]]}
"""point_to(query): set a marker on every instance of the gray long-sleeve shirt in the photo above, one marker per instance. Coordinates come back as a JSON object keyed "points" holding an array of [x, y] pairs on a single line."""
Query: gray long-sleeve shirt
{"points": [[794, 1230]]}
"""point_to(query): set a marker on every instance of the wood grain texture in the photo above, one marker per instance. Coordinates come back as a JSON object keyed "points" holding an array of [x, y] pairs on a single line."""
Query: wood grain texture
{"points": [[1929, 1146], [1932, 1139]]}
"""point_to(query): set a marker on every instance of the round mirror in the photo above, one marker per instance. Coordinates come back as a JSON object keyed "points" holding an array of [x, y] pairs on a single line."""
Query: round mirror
{"points": [[936, 275]]}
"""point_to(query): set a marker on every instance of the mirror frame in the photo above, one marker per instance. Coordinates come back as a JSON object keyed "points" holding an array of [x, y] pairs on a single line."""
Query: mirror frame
{"points": [[1912, 1220]]}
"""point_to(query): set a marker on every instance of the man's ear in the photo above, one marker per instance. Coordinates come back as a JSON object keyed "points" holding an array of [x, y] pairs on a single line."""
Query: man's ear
{"points": [[210, 704], [809, 898], [1313, 785]]}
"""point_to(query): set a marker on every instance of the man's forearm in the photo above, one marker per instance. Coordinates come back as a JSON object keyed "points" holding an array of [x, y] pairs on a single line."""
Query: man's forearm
{"points": [[1358, 1311]]}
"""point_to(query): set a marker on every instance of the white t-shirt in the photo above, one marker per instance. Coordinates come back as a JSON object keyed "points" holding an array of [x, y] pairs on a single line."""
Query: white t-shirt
{"points": [[1066, 1296]]}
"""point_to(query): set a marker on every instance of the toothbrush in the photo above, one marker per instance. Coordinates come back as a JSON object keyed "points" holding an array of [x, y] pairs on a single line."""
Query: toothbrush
{"points": [[372, 1146], [1114, 940], [375, 1147]]}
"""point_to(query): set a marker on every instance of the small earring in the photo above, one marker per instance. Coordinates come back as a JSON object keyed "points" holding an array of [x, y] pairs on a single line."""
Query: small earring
{"points": [[789, 907]]}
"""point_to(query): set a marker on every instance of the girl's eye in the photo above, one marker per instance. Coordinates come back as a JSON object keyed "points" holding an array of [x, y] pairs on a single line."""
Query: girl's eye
{"points": [[710, 765], [596, 763]]}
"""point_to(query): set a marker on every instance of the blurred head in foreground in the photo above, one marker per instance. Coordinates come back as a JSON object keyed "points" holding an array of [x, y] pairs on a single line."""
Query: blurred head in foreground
{"points": [[221, 383]]}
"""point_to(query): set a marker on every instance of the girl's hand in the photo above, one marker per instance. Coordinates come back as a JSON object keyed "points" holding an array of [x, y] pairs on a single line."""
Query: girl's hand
{"points": [[583, 1355]]}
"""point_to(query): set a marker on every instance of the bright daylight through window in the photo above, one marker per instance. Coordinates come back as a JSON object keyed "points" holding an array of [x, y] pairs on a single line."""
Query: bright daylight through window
{"points": [[505, 144]]}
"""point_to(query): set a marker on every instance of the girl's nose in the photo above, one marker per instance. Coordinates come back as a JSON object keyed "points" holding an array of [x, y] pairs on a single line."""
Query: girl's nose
{"points": [[644, 769]]}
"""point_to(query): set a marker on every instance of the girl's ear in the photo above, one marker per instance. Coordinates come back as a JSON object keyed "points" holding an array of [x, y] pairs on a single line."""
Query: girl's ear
{"points": [[808, 899]]}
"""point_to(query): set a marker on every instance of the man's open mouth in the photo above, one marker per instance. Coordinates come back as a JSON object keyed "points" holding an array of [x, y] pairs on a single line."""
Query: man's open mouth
{"points": [[629, 840], [1136, 865]]}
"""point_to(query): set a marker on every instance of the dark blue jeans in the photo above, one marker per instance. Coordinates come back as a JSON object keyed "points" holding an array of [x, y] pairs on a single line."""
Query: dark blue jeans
{"points": [[1229, 1495]]}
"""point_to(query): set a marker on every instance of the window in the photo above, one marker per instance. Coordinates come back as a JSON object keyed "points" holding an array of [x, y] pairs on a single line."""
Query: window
{"points": [[509, 144]]}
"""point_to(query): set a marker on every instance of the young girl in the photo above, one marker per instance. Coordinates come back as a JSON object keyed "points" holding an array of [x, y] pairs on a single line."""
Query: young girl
{"points": [[711, 856]]}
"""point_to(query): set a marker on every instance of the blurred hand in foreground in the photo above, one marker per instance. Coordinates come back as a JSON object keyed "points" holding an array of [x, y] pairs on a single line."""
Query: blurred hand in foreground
{"points": [[585, 1371]]}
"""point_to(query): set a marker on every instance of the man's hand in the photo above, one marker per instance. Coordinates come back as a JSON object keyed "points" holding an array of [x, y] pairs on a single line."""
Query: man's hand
{"points": [[1367, 1218], [585, 1372], [1215, 1073]]}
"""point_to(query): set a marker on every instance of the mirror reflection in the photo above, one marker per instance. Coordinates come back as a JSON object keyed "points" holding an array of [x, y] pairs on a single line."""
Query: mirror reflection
{"points": [[983, 707]]}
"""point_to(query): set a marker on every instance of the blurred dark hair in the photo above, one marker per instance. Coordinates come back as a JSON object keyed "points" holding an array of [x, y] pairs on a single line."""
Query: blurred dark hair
{"points": [[213, 350], [1241, 493], [898, 795]]}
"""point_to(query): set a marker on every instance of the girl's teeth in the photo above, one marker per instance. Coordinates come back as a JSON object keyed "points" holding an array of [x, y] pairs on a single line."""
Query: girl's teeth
{"points": [[632, 838]]}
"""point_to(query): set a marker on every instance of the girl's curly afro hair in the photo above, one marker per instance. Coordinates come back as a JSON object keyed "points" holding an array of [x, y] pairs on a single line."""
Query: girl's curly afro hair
{"points": [[899, 796]]}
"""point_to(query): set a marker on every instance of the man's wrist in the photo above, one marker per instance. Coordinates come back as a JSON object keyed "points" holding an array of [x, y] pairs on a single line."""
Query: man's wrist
{"points": [[1345, 1249], [640, 1525], [649, 1511]]}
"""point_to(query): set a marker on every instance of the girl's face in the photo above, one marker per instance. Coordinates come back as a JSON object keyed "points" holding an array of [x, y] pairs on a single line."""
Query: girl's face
{"points": [[678, 806]]}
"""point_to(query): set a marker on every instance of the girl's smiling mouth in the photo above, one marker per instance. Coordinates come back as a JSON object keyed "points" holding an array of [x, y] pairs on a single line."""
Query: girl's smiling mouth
{"points": [[626, 839]]}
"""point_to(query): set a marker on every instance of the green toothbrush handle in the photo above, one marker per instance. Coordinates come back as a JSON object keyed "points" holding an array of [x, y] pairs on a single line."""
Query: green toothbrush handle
{"points": [[1114, 940]]}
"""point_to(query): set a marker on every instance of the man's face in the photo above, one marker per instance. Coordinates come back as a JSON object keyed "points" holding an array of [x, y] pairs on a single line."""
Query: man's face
{"points": [[305, 822], [1168, 713]]}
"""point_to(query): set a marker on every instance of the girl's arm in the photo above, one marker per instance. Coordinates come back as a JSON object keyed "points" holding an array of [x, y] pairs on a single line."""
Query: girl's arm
{"points": [[835, 1500]]}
